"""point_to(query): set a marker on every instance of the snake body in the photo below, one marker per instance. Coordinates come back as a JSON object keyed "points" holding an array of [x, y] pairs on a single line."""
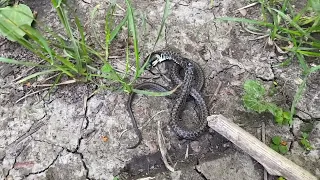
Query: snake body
{"points": [[146, 85], [191, 84]]}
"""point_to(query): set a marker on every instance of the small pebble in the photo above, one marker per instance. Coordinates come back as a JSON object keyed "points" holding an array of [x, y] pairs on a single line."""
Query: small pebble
{"points": [[195, 146], [226, 145]]}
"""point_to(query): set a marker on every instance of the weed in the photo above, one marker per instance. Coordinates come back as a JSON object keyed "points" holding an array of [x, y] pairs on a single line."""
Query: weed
{"points": [[294, 31], [70, 60], [255, 99], [279, 145], [71, 56], [305, 142]]}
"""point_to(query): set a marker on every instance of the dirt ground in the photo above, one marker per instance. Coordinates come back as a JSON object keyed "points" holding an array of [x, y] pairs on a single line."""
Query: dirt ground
{"points": [[69, 136]]}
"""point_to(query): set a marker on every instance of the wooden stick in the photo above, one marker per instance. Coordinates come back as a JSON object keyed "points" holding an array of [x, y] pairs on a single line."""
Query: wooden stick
{"points": [[273, 162]]}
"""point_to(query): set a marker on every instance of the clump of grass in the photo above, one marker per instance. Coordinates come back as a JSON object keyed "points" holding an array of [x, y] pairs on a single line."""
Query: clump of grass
{"points": [[65, 57], [292, 33], [71, 56]]}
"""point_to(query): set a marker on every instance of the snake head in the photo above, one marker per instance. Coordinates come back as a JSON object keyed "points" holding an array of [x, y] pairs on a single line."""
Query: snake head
{"points": [[154, 59]]}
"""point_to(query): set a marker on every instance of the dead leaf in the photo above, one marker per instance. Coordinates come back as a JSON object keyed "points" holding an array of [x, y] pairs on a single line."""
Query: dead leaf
{"points": [[284, 143], [104, 138], [28, 84]]}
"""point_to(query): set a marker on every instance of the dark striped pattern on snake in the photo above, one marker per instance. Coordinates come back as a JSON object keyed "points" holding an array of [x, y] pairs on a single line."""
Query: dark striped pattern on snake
{"points": [[191, 84]]}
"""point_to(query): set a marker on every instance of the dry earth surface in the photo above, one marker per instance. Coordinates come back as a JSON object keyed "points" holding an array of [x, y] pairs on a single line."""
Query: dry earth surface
{"points": [[63, 136]]}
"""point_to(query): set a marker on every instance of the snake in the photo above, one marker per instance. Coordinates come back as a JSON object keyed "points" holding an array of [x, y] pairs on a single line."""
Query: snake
{"points": [[191, 80]]}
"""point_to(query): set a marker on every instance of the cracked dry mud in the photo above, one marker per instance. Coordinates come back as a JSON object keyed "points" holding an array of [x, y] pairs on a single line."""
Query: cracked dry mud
{"points": [[64, 135]]}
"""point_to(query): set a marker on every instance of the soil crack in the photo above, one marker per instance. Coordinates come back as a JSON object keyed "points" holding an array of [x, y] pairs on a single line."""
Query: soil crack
{"points": [[45, 169], [73, 150], [199, 172], [304, 119], [83, 136], [15, 160], [34, 128]]}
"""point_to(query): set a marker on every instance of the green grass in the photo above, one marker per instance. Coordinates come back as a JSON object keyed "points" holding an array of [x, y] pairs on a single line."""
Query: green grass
{"points": [[293, 32], [69, 55], [305, 142], [255, 99]]}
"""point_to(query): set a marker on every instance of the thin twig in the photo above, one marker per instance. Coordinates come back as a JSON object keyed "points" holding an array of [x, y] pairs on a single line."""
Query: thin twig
{"points": [[119, 15], [214, 97], [247, 6], [218, 89], [32, 94], [251, 32], [115, 57], [187, 152], [260, 37], [163, 150], [120, 7], [146, 178], [50, 78]]}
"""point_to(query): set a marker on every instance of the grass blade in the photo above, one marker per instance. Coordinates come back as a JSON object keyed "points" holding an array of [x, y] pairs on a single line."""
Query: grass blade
{"points": [[302, 63], [291, 32], [301, 12], [12, 61], [36, 36], [309, 53], [164, 18], [66, 62], [83, 40], [107, 28], [127, 61], [64, 19], [314, 69], [53, 85], [117, 29], [287, 18], [37, 74], [132, 28]]}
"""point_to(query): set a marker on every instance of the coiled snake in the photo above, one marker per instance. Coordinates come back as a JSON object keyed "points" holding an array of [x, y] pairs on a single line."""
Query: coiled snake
{"points": [[191, 85]]}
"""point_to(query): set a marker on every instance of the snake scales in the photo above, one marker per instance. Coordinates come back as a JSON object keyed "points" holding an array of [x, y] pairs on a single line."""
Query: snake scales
{"points": [[191, 84]]}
